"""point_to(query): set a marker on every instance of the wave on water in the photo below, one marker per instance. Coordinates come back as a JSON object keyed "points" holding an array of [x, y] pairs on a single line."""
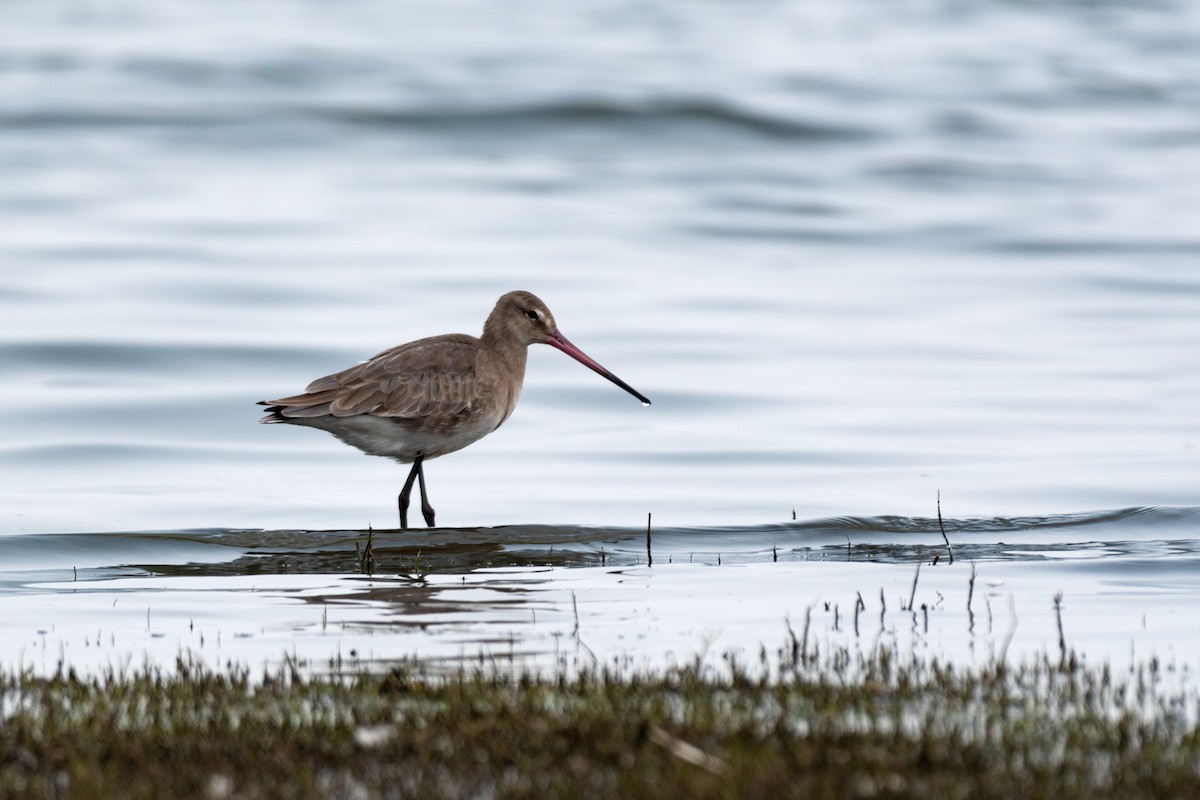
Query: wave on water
{"points": [[467, 117], [606, 113], [885, 539], [1141, 515], [128, 357]]}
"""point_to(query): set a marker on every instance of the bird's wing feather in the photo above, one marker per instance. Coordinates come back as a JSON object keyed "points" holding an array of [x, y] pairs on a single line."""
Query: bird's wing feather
{"points": [[425, 378]]}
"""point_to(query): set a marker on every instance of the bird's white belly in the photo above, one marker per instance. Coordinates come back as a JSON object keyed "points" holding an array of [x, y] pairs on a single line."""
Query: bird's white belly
{"points": [[388, 437]]}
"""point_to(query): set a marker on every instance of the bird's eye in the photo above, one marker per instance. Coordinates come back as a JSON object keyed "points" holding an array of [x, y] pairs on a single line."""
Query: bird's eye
{"points": [[531, 314]]}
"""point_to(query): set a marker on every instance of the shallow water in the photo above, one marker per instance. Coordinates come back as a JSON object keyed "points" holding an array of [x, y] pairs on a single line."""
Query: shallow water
{"points": [[552, 597], [856, 254]]}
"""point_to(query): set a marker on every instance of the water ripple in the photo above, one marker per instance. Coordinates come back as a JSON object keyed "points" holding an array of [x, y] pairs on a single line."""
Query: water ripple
{"points": [[1145, 532], [609, 113], [629, 116]]}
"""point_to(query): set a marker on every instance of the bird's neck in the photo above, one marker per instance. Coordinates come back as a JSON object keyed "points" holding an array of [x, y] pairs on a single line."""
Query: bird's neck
{"points": [[510, 352]]}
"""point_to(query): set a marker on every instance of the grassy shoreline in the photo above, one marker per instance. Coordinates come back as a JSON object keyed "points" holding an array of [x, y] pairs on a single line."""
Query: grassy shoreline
{"points": [[843, 725]]}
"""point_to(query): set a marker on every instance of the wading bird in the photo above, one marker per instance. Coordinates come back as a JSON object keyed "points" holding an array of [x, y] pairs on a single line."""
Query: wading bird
{"points": [[433, 396]]}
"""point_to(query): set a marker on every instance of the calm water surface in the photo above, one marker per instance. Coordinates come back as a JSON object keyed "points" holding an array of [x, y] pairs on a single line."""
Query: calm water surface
{"points": [[856, 254]]}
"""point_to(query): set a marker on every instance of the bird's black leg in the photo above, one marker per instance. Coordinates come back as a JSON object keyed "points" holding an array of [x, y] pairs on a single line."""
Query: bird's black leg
{"points": [[407, 490], [426, 509]]}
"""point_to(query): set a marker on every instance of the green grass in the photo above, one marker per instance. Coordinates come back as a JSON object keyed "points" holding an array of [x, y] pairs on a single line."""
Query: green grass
{"points": [[837, 726]]}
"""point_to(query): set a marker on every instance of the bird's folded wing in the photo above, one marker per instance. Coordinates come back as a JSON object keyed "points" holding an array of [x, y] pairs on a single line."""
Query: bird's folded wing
{"points": [[419, 379]]}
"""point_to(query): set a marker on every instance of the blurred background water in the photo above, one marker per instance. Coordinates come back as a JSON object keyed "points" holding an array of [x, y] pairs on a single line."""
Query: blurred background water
{"points": [[856, 252]]}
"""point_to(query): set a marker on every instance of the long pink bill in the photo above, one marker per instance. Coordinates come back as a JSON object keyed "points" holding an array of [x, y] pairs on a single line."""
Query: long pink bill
{"points": [[560, 341]]}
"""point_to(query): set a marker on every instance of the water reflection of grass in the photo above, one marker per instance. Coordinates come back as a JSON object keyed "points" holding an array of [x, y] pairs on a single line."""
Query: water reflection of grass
{"points": [[834, 725]]}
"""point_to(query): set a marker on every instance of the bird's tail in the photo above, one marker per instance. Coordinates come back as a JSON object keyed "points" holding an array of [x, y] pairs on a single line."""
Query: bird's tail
{"points": [[274, 413]]}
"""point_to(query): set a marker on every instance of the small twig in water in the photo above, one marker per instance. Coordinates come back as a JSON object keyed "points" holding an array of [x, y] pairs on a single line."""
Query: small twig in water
{"points": [[579, 642], [575, 608], [1012, 627], [970, 594], [945, 538], [1062, 640], [649, 557], [366, 561], [913, 596], [804, 637]]}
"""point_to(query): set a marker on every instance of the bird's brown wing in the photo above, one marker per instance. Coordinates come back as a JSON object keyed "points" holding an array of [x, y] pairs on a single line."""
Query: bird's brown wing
{"points": [[421, 379]]}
